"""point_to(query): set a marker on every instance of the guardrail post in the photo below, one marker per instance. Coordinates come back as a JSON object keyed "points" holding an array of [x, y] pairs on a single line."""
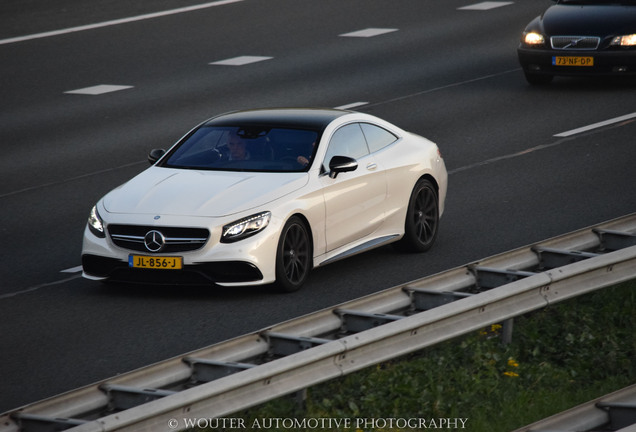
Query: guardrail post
{"points": [[506, 331]]}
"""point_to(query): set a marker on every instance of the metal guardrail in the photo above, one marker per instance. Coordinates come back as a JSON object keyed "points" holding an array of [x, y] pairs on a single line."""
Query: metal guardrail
{"points": [[613, 412], [230, 376]]}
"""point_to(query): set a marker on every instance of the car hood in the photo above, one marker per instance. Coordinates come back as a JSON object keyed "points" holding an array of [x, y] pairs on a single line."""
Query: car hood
{"points": [[589, 20], [165, 191]]}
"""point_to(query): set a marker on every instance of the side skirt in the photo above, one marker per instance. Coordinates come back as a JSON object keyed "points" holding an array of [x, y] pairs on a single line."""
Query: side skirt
{"points": [[371, 244]]}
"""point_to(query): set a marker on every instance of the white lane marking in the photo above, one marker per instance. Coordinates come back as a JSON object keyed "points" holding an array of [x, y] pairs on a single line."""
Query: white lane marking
{"points": [[487, 5], [99, 89], [444, 87], [240, 61], [596, 125], [37, 287], [505, 157], [370, 32], [544, 146], [351, 105], [72, 270], [117, 21]]}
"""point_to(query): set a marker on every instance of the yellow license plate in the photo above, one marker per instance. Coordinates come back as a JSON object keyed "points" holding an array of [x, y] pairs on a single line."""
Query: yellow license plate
{"points": [[572, 61], [162, 262]]}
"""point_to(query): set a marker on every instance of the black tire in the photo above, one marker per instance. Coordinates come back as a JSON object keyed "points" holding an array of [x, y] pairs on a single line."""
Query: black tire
{"points": [[422, 219], [294, 256]]}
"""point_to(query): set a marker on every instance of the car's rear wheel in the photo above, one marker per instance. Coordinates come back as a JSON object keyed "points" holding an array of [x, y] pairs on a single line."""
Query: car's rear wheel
{"points": [[293, 257], [422, 219]]}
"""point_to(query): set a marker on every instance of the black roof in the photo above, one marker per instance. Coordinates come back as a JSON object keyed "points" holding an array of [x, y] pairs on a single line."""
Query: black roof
{"points": [[309, 118]]}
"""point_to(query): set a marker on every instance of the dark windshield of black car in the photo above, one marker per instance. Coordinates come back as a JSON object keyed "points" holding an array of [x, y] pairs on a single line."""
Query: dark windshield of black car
{"points": [[245, 148]]}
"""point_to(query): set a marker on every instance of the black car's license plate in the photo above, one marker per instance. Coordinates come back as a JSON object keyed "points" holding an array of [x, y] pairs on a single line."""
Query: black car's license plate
{"points": [[572, 61], [163, 262]]}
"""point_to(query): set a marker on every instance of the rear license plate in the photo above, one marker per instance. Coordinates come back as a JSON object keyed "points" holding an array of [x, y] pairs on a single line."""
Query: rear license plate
{"points": [[572, 61], [163, 262]]}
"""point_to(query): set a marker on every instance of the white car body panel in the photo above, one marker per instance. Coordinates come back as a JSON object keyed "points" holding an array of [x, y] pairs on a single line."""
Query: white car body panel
{"points": [[347, 220], [169, 191]]}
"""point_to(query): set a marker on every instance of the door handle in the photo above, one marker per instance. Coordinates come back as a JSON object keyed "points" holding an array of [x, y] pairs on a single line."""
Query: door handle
{"points": [[371, 166]]}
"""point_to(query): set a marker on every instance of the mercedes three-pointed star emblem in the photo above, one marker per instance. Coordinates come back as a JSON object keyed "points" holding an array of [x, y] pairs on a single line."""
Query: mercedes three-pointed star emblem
{"points": [[154, 241]]}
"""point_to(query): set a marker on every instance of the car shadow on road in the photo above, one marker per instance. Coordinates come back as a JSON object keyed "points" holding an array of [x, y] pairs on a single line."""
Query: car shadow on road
{"points": [[589, 84], [181, 291]]}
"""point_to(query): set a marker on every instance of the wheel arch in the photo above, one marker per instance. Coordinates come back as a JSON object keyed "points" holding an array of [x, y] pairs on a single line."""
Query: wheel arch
{"points": [[416, 236], [430, 178], [309, 229]]}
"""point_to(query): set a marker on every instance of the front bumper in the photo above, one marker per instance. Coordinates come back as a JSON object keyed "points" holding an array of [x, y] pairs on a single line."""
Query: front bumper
{"points": [[541, 62], [251, 261], [212, 273]]}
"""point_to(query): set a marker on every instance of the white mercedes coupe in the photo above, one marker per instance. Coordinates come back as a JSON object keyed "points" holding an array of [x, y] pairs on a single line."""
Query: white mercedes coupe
{"points": [[260, 197]]}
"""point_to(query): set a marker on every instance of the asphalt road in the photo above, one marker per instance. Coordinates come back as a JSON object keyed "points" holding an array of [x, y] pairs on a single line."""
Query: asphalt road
{"points": [[446, 73]]}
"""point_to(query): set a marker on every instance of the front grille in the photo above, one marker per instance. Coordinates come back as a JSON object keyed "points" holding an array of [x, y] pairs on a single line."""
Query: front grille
{"points": [[158, 239], [575, 42]]}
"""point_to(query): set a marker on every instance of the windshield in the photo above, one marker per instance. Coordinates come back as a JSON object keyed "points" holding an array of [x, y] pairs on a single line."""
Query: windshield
{"points": [[252, 148]]}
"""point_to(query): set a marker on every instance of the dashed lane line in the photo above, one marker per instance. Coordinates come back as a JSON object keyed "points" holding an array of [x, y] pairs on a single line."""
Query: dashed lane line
{"points": [[99, 89], [369, 32], [596, 125], [75, 269], [487, 5], [241, 60], [351, 105]]}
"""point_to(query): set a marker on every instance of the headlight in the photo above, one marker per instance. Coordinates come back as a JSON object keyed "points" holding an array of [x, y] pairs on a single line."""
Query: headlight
{"points": [[95, 223], [533, 38], [246, 227], [627, 40]]}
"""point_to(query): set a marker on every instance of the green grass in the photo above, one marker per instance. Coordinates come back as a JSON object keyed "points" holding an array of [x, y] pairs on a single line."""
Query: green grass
{"points": [[560, 356]]}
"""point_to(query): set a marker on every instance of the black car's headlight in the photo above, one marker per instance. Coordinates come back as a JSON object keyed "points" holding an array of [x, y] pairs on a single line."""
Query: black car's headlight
{"points": [[245, 227], [95, 223], [626, 40], [533, 39]]}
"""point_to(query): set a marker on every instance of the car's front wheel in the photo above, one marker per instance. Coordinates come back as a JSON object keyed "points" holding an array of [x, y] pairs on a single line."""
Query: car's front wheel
{"points": [[422, 219], [294, 256]]}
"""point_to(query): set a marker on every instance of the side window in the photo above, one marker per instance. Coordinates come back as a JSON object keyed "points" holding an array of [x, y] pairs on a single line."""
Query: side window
{"points": [[347, 141], [377, 137]]}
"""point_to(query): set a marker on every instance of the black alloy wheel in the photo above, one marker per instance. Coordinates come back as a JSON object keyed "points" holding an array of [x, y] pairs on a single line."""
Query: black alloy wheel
{"points": [[294, 255], [422, 219]]}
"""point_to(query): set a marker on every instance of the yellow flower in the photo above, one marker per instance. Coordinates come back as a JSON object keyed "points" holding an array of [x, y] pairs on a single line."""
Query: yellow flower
{"points": [[511, 374], [495, 327], [512, 362]]}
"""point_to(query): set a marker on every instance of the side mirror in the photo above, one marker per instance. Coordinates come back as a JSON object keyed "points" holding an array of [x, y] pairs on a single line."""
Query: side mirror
{"points": [[339, 164], [155, 155]]}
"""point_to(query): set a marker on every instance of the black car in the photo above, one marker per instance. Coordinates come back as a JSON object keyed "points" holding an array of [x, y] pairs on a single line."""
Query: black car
{"points": [[580, 37]]}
